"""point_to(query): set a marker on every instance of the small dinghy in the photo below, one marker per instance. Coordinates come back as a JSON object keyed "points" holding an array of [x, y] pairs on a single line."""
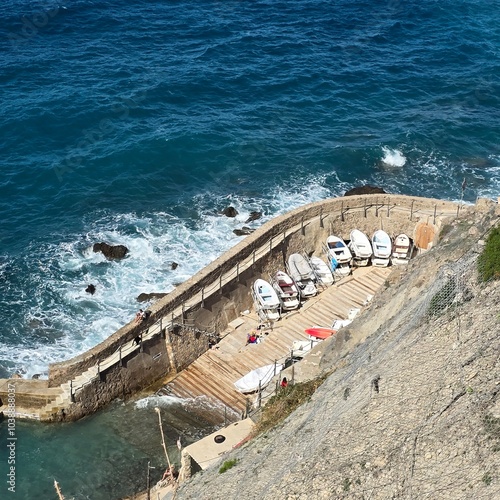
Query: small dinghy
{"points": [[360, 247], [266, 300], [401, 250], [302, 274], [258, 378], [287, 291], [339, 255], [321, 271], [319, 332], [382, 248]]}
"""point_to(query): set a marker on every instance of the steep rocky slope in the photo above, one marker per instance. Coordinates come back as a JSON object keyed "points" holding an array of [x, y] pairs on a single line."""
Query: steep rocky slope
{"points": [[411, 408]]}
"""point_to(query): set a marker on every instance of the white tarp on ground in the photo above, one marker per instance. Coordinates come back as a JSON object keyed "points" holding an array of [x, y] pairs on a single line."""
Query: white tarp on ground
{"points": [[264, 374]]}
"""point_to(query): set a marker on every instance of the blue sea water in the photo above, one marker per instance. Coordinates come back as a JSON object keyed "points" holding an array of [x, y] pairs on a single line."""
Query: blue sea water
{"points": [[135, 121]]}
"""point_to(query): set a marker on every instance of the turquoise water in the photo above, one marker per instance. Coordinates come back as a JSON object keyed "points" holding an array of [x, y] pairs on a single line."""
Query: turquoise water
{"points": [[134, 122]]}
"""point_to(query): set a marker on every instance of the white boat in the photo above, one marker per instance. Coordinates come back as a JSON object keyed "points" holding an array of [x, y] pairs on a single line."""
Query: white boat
{"points": [[302, 274], [360, 247], [401, 249], [338, 249], [258, 378], [266, 300], [382, 248], [321, 271], [287, 291]]}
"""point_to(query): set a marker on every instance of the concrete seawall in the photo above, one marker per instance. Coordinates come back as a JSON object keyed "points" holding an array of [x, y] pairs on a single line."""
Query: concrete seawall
{"points": [[178, 330]]}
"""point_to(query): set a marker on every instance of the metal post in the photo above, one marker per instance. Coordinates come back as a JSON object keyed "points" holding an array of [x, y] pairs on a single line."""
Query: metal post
{"points": [[203, 297], [321, 218], [293, 374], [71, 394], [342, 212], [182, 312], [302, 226], [220, 283], [271, 245], [458, 210], [225, 415], [238, 270], [387, 208], [435, 209], [365, 207], [376, 208], [260, 395], [120, 353], [275, 366], [253, 264], [411, 209]]}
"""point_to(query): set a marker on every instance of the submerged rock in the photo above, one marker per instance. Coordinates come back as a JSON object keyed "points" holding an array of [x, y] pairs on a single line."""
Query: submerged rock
{"points": [[111, 251], [174, 266], [230, 212], [364, 190], [144, 297], [253, 216], [244, 231]]}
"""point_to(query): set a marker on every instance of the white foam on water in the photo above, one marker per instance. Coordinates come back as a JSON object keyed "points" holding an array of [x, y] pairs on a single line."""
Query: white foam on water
{"points": [[156, 401], [59, 320], [393, 157]]}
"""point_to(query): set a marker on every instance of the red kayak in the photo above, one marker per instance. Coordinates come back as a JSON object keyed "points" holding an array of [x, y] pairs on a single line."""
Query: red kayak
{"points": [[320, 333]]}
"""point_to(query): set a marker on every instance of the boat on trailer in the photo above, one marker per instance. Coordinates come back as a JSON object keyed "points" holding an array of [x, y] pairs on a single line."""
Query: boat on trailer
{"points": [[360, 247], [382, 248], [303, 275], [401, 249], [287, 291], [266, 300], [339, 255], [321, 270]]}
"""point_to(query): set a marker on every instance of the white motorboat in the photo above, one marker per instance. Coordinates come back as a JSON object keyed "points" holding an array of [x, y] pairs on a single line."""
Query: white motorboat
{"points": [[266, 300], [401, 249], [302, 274], [360, 247], [382, 248], [339, 255], [321, 271], [287, 291], [258, 378]]}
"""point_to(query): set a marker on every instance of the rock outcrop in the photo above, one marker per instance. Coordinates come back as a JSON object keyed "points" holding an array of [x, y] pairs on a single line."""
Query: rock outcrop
{"points": [[230, 212], [364, 190], [112, 252], [244, 231], [144, 297], [253, 216]]}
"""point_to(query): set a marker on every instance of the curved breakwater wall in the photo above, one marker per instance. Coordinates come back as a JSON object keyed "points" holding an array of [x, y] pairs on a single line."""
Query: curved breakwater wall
{"points": [[178, 329]]}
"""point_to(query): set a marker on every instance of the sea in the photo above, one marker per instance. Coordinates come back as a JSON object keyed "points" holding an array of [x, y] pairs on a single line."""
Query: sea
{"points": [[136, 122]]}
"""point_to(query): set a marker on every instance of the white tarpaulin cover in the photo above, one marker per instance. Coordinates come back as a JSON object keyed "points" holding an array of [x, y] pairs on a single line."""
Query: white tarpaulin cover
{"points": [[264, 374]]}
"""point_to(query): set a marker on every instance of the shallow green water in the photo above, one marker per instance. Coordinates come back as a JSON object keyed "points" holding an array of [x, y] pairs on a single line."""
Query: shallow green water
{"points": [[102, 457]]}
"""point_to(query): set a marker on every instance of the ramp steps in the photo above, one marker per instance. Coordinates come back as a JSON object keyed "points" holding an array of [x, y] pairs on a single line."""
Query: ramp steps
{"points": [[214, 373]]}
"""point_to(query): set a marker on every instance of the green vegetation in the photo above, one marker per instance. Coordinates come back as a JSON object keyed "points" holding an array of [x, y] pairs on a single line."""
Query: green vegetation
{"points": [[285, 402], [488, 263], [487, 479], [346, 485], [228, 464]]}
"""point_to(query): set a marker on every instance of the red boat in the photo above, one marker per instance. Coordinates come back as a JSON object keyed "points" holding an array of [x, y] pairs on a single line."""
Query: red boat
{"points": [[319, 332]]}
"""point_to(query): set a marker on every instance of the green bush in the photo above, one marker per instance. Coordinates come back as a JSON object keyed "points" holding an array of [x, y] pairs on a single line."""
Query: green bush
{"points": [[228, 464], [488, 263]]}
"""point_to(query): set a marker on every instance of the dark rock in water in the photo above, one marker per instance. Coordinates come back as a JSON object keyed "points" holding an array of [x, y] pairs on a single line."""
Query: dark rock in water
{"points": [[174, 266], [253, 216], [16, 375], [111, 251], [364, 190], [244, 231], [36, 376], [143, 297], [230, 212], [90, 289], [177, 283]]}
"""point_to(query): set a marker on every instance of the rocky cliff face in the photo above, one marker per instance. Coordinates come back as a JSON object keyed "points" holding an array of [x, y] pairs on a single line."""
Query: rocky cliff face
{"points": [[410, 412]]}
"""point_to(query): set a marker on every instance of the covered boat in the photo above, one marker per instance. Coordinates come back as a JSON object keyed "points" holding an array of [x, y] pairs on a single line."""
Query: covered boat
{"points": [[360, 247], [401, 249], [287, 291], [382, 248], [321, 271], [266, 300], [302, 274], [258, 378]]}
